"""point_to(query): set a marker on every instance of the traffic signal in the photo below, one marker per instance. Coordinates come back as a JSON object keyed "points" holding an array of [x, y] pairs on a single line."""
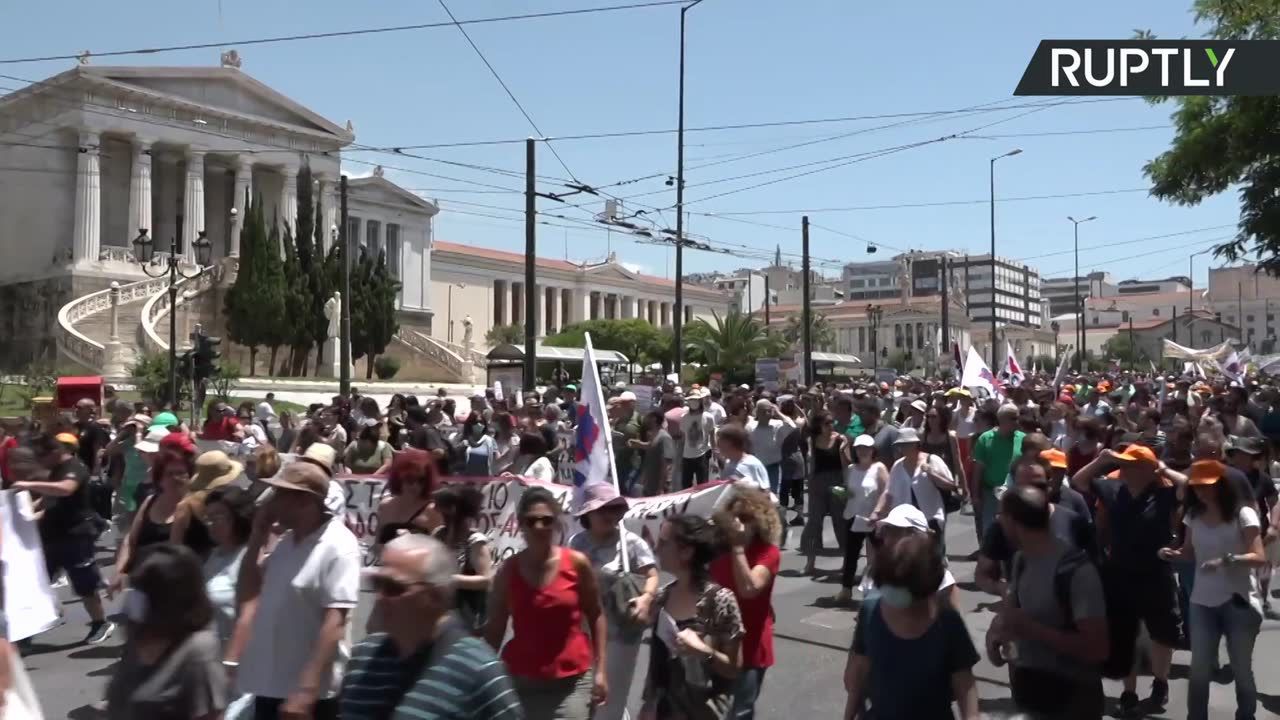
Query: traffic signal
{"points": [[205, 356]]}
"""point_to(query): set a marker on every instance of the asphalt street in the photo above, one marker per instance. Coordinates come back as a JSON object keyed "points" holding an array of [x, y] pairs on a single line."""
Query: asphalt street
{"points": [[811, 642]]}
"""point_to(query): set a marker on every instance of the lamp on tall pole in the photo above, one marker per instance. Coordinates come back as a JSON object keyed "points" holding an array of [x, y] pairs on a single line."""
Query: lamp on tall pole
{"points": [[144, 251], [1079, 300], [874, 313], [1011, 153], [677, 324]]}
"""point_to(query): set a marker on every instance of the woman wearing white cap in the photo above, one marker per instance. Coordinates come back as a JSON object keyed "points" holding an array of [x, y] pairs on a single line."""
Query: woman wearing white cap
{"points": [[918, 479], [864, 481]]}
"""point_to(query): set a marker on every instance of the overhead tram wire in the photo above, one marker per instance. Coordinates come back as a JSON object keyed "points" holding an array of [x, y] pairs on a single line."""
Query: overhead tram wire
{"points": [[510, 94], [343, 33], [938, 203], [1133, 241], [1113, 261]]}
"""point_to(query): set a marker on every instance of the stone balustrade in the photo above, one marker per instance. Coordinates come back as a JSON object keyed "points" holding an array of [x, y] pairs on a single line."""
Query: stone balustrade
{"points": [[433, 349], [81, 348], [158, 306]]}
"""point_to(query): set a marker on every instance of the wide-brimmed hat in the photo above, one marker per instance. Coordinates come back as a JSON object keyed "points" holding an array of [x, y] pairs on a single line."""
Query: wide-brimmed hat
{"points": [[920, 406], [321, 455], [698, 394], [1205, 472], [908, 517], [213, 470], [1247, 445], [597, 496], [907, 436], [301, 477], [150, 442]]}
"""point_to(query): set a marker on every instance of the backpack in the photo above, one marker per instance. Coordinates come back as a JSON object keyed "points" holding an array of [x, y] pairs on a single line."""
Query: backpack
{"points": [[1120, 657]]}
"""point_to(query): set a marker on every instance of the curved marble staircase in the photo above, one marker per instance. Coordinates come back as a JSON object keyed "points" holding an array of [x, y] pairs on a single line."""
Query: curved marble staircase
{"points": [[85, 331]]}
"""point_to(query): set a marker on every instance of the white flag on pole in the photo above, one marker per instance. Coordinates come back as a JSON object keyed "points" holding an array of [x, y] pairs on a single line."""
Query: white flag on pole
{"points": [[977, 374], [593, 441]]}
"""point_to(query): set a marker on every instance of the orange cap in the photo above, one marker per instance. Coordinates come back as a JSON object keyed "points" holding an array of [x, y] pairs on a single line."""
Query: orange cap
{"points": [[1055, 457], [1205, 472], [1138, 453]]}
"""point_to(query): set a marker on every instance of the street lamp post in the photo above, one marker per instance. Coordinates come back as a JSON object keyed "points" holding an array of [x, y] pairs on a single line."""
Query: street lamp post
{"points": [[1191, 287], [144, 251], [1011, 153], [449, 309], [1055, 327], [1079, 300], [874, 313], [677, 324]]}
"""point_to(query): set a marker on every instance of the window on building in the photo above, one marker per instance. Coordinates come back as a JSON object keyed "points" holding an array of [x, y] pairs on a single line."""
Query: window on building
{"points": [[353, 231], [857, 283], [1248, 318], [897, 336], [1271, 317], [862, 339], [884, 282], [393, 249], [919, 335], [910, 338], [1231, 319], [1206, 337], [1124, 316], [373, 237], [1155, 312]]}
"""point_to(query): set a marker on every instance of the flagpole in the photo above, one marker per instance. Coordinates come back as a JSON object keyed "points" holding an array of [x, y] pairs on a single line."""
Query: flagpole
{"points": [[607, 434]]}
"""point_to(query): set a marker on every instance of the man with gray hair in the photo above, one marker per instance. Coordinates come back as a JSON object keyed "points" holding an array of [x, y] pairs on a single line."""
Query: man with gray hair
{"points": [[400, 673], [993, 454]]}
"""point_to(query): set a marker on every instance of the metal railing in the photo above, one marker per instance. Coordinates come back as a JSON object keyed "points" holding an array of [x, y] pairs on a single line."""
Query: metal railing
{"points": [[474, 355], [81, 348]]}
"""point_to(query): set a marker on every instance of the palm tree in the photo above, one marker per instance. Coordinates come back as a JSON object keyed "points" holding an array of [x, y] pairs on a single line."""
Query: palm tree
{"points": [[821, 333], [731, 344]]}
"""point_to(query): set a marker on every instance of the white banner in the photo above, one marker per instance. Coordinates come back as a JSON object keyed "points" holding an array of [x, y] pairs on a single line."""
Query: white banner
{"points": [[498, 511], [29, 604]]}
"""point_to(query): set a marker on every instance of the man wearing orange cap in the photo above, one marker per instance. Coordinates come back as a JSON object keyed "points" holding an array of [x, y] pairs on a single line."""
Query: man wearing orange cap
{"points": [[1141, 587], [68, 526]]}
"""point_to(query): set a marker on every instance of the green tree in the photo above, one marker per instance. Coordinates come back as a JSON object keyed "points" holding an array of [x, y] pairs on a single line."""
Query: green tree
{"points": [[505, 335], [730, 345], [277, 272], [150, 376], [1128, 353], [635, 338], [1226, 143], [379, 312], [898, 361], [253, 305], [821, 334]]}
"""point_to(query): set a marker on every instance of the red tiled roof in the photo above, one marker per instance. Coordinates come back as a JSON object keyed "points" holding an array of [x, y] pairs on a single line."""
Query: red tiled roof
{"points": [[565, 265], [1168, 298]]}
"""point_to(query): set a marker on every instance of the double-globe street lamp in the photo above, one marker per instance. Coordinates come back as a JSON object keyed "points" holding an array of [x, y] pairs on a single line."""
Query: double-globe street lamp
{"points": [[874, 314], [1079, 304], [144, 251]]}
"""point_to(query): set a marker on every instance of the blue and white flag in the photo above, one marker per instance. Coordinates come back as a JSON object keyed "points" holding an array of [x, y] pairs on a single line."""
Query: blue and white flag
{"points": [[592, 452]]}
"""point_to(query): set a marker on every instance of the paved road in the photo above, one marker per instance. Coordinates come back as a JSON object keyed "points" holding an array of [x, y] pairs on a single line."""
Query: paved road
{"points": [[811, 643]]}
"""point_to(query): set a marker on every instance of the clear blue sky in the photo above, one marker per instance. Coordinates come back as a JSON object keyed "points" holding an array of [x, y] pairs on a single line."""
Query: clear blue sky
{"points": [[748, 61]]}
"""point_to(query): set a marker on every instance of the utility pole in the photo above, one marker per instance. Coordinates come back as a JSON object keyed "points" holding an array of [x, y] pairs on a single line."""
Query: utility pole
{"points": [[530, 263], [677, 322], [1240, 312], [1175, 322], [1133, 349], [806, 313], [344, 352]]}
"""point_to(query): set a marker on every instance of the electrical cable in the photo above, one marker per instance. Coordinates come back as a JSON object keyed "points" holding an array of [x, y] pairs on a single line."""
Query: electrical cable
{"points": [[938, 203], [340, 33]]}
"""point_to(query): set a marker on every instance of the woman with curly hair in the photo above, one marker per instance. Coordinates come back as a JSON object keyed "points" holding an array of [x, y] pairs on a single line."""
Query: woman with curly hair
{"points": [[751, 528], [696, 651]]}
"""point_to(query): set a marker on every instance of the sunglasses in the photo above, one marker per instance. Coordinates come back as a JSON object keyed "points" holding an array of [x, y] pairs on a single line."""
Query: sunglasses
{"points": [[390, 587], [538, 521]]}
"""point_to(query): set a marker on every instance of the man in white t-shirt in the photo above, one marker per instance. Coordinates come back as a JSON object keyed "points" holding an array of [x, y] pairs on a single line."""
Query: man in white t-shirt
{"points": [[715, 409], [699, 432], [290, 648], [732, 442]]}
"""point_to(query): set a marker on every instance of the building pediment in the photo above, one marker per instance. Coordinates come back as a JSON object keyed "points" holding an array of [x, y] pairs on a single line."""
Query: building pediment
{"points": [[610, 271], [379, 190], [221, 90]]}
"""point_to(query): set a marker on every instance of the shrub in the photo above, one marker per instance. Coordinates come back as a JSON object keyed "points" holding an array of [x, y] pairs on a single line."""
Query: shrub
{"points": [[386, 367]]}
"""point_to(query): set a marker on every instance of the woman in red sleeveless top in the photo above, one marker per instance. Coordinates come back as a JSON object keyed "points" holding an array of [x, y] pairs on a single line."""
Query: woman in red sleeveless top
{"points": [[547, 591]]}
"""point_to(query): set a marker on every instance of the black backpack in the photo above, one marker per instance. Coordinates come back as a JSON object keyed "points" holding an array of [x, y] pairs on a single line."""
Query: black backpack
{"points": [[1120, 658]]}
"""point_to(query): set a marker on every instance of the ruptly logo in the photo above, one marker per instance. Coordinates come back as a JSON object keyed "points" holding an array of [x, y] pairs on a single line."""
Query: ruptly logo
{"points": [[1152, 67]]}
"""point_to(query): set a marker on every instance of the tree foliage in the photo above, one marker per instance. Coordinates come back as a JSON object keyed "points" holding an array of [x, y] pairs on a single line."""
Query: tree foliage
{"points": [[1229, 142], [821, 334], [730, 344], [373, 322], [1128, 353], [635, 338], [253, 305], [505, 335]]}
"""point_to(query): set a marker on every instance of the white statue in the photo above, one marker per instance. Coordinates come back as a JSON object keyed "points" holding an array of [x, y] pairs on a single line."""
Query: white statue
{"points": [[466, 332], [333, 313]]}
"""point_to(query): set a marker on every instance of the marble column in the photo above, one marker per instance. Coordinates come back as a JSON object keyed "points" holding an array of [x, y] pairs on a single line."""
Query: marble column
{"points": [[193, 205], [597, 306], [581, 310], [140, 192], [288, 202], [557, 322], [328, 207], [517, 304], [87, 238], [243, 188], [540, 307]]}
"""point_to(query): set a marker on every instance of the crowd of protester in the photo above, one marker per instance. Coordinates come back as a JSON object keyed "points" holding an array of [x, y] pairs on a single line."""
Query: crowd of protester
{"points": [[1111, 502]]}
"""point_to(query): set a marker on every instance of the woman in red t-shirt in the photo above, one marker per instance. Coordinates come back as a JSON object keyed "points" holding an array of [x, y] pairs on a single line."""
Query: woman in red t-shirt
{"points": [[747, 567], [546, 591]]}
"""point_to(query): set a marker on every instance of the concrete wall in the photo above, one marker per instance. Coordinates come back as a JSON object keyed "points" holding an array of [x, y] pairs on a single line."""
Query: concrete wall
{"points": [[476, 298], [37, 201]]}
